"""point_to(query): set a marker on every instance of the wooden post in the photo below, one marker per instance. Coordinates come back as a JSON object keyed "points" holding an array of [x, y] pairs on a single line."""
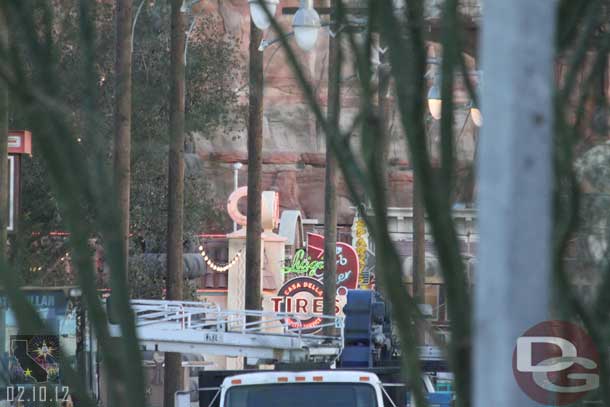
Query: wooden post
{"points": [[512, 284], [174, 372], [122, 119], [255, 168], [330, 179], [419, 253], [3, 140]]}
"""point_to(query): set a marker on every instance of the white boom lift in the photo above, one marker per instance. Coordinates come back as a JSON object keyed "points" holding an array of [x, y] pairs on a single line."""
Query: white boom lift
{"points": [[203, 328]]}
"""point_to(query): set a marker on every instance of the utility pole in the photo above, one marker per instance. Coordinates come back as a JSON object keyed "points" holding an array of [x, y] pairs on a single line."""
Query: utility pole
{"points": [[330, 179], [513, 275], [121, 153], [122, 120], [418, 265], [174, 373], [255, 169], [3, 140], [383, 110], [419, 253]]}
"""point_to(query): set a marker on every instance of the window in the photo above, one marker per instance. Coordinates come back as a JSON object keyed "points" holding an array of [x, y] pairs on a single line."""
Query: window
{"points": [[302, 395], [434, 298]]}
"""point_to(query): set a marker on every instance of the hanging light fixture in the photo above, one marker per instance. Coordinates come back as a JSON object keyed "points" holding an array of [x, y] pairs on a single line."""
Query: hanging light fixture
{"points": [[475, 111], [257, 12], [306, 25], [435, 103], [477, 117]]}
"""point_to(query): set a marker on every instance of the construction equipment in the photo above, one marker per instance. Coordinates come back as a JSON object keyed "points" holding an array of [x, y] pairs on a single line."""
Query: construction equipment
{"points": [[367, 372], [369, 338], [203, 328], [368, 330]]}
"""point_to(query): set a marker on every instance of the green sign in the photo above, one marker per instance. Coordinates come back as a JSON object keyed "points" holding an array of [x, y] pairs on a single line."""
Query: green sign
{"points": [[303, 265]]}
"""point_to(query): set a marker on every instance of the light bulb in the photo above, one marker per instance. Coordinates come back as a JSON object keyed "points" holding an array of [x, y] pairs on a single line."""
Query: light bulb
{"points": [[258, 15], [306, 25], [435, 106], [306, 37], [435, 102], [477, 117]]}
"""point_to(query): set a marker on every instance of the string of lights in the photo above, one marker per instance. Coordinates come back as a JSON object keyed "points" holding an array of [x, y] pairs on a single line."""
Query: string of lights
{"points": [[217, 267], [63, 259]]}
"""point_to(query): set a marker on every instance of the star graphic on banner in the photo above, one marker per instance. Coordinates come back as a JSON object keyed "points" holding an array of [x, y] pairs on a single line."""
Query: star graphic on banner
{"points": [[28, 372]]}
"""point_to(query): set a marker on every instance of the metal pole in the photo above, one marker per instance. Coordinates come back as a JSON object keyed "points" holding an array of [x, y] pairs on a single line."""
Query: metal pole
{"points": [[512, 285]]}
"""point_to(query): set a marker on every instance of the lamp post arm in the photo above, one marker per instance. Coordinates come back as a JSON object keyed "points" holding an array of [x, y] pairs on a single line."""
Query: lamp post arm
{"points": [[267, 43], [135, 20], [188, 35]]}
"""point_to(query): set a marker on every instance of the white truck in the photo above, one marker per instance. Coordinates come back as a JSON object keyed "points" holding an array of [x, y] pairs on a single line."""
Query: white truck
{"points": [[314, 388]]}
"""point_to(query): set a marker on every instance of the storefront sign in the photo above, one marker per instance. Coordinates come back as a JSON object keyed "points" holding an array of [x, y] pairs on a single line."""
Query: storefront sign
{"points": [[303, 265], [40, 300], [348, 268], [270, 208], [302, 295], [34, 359], [360, 238], [19, 142]]}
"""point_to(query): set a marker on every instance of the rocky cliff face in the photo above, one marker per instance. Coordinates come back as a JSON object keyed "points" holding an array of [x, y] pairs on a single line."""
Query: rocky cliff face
{"points": [[293, 144]]}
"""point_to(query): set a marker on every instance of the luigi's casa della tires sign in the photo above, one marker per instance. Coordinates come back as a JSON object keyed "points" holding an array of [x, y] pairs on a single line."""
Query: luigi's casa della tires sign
{"points": [[303, 293]]}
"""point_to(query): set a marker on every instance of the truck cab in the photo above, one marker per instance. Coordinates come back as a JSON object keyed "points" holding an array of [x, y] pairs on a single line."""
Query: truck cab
{"points": [[318, 388]]}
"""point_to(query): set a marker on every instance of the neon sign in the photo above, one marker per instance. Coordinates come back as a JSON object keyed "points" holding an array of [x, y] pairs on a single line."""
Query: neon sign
{"points": [[304, 296], [303, 265], [348, 267]]}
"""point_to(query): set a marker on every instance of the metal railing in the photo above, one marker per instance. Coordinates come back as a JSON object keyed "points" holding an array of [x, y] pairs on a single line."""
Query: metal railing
{"points": [[277, 330]]}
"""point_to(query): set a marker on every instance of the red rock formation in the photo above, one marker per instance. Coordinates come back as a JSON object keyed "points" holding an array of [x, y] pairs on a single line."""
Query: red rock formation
{"points": [[294, 148]]}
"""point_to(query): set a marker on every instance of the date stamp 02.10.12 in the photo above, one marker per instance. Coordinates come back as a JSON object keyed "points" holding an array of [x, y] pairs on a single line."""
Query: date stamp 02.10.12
{"points": [[18, 393]]}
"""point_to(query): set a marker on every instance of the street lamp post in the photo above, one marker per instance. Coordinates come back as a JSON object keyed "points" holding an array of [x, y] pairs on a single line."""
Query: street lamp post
{"points": [[260, 21]]}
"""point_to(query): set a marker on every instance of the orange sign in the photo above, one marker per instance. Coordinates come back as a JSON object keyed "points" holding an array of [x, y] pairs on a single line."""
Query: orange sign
{"points": [[19, 142]]}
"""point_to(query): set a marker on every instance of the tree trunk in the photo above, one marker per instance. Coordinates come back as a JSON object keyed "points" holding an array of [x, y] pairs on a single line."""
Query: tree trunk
{"points": [[174, 373], [330, 178], [255, 168], [122, 119], [513, 274], [3, 141]]}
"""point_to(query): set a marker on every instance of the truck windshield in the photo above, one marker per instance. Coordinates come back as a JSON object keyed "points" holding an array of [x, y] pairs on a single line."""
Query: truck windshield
{"points": [[302, 395]]}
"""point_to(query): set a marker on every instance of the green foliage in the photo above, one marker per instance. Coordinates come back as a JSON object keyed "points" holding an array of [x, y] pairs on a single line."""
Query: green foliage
{"points": [[49, 83], [211, 102], [146, 279], [406, 40]]}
